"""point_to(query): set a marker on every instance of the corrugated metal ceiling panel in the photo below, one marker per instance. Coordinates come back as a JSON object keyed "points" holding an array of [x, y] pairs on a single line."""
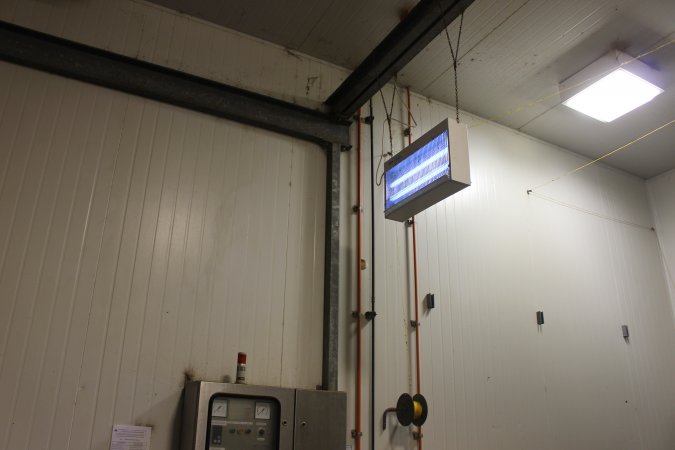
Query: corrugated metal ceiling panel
{"points": [[342, 32], [513, 55]]}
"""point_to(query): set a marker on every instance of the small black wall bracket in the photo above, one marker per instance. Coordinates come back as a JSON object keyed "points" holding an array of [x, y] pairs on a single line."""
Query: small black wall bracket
{"points": [[430, 301], [540, 317], [370, 315], [625, 332]]}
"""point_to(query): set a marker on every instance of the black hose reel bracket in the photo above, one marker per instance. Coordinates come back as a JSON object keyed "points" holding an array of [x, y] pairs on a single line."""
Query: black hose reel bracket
{"points": [[408, 410]]}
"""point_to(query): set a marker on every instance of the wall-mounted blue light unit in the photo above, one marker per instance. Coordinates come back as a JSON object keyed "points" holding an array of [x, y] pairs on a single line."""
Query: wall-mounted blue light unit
{"points": [[430, 169]]}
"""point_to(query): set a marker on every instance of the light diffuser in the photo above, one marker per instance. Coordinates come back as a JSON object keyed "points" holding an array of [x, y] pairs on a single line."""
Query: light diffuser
{"points": [[613, 96]]}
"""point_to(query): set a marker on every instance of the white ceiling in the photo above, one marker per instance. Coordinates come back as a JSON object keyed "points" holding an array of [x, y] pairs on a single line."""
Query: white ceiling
{"points": [[512, 53]]}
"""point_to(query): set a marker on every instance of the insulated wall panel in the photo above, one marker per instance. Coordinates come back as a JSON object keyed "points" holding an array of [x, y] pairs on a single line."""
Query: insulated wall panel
{"points": [[139, 244], [124, 304], [661, 191], [581, 249]]}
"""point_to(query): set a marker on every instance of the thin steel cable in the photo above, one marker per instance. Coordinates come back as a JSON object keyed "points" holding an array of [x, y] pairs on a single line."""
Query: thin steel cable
{"points": [[455, 57], [378, 176], [408, 107], [591, 212], [616, 150], [665, 263], [388, 113]]}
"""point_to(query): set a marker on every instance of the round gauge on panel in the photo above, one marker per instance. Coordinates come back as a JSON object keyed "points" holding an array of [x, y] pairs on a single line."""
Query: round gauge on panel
{"points": [[219, 408], [263, 410]]}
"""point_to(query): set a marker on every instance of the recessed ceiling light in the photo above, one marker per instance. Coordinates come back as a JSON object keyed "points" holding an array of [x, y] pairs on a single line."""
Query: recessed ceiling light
{"points": [[613, 95]]}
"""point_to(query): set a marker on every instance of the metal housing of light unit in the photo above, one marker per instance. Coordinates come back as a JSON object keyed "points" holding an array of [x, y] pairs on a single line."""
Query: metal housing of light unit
{"points": [[430, 169], [611, 87]]}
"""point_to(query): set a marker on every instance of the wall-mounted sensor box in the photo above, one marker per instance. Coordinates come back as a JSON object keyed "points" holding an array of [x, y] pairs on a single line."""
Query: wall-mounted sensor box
{"points": [[625, 332], [540, 317], [430, 301], [218, 416], [427, 171]]}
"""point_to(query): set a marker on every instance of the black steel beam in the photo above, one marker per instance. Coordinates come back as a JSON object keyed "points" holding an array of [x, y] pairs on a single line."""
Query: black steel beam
{"points": [[51, 54], [329, 373], [426, 20]]}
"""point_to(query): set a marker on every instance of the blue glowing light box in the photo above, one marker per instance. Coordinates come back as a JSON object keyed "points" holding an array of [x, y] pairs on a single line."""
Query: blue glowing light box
{"points": [[430, 169]]}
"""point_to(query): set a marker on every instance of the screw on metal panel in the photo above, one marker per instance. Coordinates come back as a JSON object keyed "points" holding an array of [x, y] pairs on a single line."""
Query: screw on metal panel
{"points": [[406, 132], [356, 434], [355, 209], [345, 148], [414, 324], [410, 222], [417, 435], [370, 315], [368, 120]]}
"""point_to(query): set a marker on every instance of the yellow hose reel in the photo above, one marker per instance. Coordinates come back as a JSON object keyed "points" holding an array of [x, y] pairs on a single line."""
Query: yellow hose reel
{"points": [[408, 410]]}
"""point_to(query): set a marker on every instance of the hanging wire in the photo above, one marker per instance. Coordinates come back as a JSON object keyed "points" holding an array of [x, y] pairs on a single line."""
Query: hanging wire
{"points": [[669, 272], [455, 58], [378, 176], [606, 155], [388, 113], [408, 110], [591, 212]]}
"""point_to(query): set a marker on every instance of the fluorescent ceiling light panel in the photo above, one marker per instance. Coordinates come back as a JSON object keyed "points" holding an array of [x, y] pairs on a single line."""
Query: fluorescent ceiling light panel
{"points": [[613, 95]]}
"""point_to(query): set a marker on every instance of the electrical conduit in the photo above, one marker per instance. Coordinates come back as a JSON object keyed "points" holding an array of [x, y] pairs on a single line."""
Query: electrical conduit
{"points": [[372, 280], [417, 313], [359, 209]]}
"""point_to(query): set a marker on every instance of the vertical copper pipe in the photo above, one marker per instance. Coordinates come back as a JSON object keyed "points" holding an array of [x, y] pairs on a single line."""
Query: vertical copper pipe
{"points": [[357, 426], [417, 310]]}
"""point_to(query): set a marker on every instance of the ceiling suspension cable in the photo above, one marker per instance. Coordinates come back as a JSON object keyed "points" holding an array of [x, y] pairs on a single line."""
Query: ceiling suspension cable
{"points": [[606, 155], [455, 60], [389, 112]]}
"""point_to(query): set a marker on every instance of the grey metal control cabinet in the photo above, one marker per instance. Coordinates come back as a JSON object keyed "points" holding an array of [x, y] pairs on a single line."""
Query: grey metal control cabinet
{"points": [[224, 416]]}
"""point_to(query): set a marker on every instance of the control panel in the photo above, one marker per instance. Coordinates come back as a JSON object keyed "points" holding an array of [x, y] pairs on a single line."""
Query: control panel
{"points": [[226, 416], [240, 422]]}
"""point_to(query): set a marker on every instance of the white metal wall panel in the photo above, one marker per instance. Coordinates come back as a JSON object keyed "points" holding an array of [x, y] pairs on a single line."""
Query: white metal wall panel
{"points": [[142, 232], [161, 36], [139, 241], [493, 256], [661, 191]]}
